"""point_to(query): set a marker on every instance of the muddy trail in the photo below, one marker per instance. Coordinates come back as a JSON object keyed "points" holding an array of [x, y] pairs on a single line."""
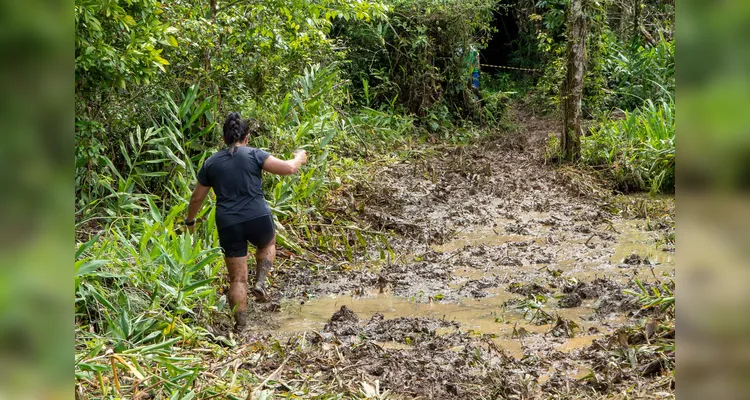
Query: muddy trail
{"points": [[507, 280]]}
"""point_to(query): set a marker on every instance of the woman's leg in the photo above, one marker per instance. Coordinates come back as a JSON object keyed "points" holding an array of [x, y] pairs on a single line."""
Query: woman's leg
{"points": [[264, 258], [237, 267]]}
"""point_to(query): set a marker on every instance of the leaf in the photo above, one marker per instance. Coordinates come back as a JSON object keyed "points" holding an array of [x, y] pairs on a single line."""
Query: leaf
{"points": [[150, 336], [196, 285], [101, 298], [125, 324], [328, 138], [153, 174], [205, 105], [89, 267], [172, 41], [284, 242], [152, 348], [173, 157], [201, 263], [285, 104], [130, 366], [369, 390], [125, 154], [188, 102], [155, 214], [168, 288], [82, 248], [92, 367], [160, 60]]}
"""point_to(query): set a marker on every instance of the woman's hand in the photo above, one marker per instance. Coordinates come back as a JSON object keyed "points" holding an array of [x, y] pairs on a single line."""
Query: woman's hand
{"points": [[196, 202], [301, 155]]}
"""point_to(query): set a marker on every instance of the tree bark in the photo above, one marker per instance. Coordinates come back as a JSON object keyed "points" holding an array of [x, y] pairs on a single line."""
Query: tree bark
{"points": [[636, 19], [573, 86]]}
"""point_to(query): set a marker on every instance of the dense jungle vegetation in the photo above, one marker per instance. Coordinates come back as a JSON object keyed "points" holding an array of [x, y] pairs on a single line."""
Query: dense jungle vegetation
{"points": [[355, 83]]}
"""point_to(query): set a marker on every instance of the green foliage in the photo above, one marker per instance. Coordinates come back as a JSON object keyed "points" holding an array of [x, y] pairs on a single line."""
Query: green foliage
{"points": [[532, 308], [139, 286], [119, 43], [553, 149], [496, 92], [111, 173], [622, 71], [258, 49], [541, 32], [637, 151], [551, 42], [626, 69], [661, 296], [419, 56], [238, 52], [639, 72]]}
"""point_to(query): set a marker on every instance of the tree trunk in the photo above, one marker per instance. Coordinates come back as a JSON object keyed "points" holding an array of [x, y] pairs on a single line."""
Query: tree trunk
{"points": [[636, 19], [573, 86]]}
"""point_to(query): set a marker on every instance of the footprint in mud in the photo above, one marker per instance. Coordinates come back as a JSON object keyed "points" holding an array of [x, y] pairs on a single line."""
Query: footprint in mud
{"points": [[569, 300], [527, 289], [346, 326]]}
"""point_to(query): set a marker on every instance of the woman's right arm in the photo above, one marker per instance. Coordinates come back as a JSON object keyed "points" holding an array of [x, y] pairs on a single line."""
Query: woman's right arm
{"points": [[285, 167]]}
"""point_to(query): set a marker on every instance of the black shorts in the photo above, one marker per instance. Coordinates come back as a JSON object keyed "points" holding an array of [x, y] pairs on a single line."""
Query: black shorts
{"points": [[258, 231]]}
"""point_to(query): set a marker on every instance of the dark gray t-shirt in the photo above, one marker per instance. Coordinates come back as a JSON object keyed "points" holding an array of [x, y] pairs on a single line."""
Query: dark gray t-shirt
{"points": [[236, 180]]}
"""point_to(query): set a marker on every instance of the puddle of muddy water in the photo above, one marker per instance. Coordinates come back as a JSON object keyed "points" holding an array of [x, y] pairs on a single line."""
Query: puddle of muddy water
{"points": [[578, 342], [513, 347], [482, 316], [478, 314], [634, 240], [496, 235]]}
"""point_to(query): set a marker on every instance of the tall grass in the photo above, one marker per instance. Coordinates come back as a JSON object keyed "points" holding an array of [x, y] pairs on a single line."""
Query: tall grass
{"points": [[140, 286], [638, 151]]}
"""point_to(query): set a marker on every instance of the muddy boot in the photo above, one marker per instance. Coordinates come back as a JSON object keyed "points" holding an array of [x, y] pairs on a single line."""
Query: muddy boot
{"points": [[259, 289], [240, 321]]}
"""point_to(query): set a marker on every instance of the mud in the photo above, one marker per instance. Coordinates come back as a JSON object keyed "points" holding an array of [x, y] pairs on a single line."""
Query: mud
{"points": [[507, 282]]}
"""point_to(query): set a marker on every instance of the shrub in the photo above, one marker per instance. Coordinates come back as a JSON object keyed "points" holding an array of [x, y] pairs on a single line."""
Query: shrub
{"points": [[638, 151], [638, 72], [417, 55]]}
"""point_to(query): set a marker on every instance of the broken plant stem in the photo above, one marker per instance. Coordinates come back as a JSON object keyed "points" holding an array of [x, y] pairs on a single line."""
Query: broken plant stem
{"points": [[262, 384]]}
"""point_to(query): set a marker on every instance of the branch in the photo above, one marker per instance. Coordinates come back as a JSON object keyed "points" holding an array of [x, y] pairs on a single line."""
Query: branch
{"points": [[647, 36]]}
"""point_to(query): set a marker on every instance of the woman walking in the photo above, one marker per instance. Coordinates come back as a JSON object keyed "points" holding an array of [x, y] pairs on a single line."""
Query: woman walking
{"points": [[242, 214]]}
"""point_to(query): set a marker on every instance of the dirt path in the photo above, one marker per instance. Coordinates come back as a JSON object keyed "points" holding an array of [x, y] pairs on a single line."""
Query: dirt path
{"points": [[507, 281]]}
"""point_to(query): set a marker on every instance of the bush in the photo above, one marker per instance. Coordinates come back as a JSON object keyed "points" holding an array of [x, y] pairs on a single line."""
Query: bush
{"points": [[417, 55], [638, 72], [637, 151], [621, 71]]}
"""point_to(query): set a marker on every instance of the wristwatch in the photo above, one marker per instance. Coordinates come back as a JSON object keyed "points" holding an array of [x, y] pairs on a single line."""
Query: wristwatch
{"points": [[189, 223]]}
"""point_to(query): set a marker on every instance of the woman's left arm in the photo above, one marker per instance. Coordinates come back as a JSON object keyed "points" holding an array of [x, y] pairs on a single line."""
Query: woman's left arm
{"points": [[196, 202]]}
